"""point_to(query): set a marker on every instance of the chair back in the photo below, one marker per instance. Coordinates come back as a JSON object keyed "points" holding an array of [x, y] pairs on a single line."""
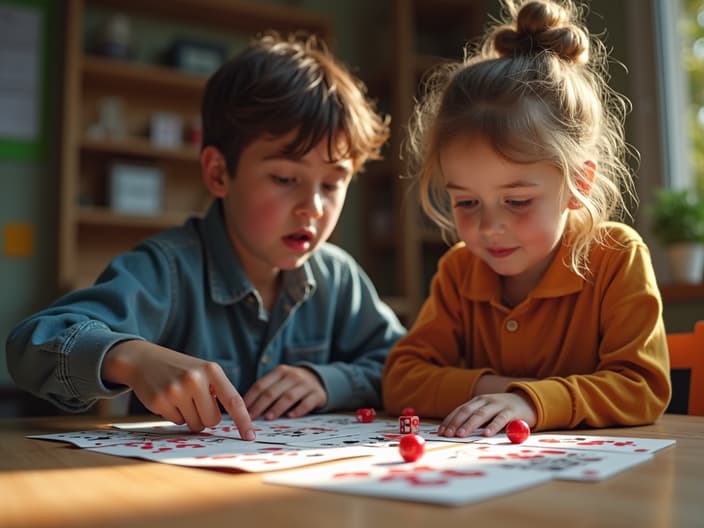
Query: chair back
{"points": [[687, 353]]}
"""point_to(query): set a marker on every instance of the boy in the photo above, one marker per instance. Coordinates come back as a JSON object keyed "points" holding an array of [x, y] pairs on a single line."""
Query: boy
{"points": [[250, 296]]}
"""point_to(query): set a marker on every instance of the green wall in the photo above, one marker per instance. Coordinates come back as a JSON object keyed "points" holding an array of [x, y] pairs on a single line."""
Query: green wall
{"points": [[28, 194]]}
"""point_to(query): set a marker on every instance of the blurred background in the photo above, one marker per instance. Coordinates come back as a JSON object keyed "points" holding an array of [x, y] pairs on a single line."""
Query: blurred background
{"points": [[99, 133]]}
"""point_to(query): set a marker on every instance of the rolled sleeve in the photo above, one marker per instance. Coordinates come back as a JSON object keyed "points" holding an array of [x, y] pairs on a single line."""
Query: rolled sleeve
{"points": [[82, 359]]}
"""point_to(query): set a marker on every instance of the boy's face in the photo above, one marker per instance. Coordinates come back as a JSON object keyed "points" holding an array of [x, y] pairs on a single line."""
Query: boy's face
{"points": [[278, 210]]}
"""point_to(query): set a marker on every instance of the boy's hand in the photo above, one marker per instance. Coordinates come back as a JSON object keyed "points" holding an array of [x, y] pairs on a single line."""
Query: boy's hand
{"points": [[281, 389], [493, 411], [178, 387]]}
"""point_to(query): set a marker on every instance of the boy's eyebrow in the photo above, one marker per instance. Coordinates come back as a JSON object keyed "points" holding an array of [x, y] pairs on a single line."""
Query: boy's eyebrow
{"points": [[338, 165]]}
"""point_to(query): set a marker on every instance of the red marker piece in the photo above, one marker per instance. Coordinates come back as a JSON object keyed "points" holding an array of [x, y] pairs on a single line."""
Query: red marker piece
{"points": [[365, 415], [408, 411], [411, 447], [517, 431]]}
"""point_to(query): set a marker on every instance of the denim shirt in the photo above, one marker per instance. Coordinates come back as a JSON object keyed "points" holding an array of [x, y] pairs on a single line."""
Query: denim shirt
{"points": [[185, 289]]}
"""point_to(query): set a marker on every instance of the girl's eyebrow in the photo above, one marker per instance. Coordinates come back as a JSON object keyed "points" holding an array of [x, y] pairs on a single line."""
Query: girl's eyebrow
{"points": [[512, 185], [519, 183]]}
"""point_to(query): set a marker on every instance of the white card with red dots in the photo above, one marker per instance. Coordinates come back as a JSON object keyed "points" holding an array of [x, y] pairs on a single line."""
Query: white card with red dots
{"points": [[218, 452], [310, 430], [609, 444], [96, 438], [433, 479], [562, 464], [314, 430]]}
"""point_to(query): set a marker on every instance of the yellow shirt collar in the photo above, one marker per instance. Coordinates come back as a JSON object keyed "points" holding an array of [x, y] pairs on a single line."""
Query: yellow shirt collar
{"points": [[481, 283]]}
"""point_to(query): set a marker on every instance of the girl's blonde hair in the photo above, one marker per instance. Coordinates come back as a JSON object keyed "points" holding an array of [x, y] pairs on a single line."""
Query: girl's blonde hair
{"points": [[536, 88]]}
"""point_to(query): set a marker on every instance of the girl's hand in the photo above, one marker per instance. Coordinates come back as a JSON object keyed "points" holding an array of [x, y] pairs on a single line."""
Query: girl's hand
{"points": [[181, 388], [493, 411], [297, 390]]}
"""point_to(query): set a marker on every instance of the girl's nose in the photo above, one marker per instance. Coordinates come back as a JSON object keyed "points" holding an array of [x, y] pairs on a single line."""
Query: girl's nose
{"points": [[491, 222]]}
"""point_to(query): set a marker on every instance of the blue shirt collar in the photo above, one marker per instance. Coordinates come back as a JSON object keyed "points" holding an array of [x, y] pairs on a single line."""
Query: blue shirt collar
{"points": [[227, 280]]}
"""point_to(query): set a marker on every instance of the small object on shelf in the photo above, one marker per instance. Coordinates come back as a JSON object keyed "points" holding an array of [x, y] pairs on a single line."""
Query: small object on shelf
{"points": [[198, 57], [166, 130], [411, 447], [408, 424], [135, 189], [194, 131], [115, 38], [365, 415], [111, 119], [517, 431], [408, 411]]}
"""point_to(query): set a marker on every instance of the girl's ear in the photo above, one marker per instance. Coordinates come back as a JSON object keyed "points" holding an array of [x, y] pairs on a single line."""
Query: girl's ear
{"points": [[584, 184], [214, 171]]}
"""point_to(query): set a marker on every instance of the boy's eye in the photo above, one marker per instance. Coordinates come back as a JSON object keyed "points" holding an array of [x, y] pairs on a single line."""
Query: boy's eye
{"points": [[281, 180], [518, 204], [332, 186]]}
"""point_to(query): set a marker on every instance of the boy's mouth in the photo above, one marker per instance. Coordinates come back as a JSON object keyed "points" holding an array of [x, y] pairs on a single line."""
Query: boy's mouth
{"points": [[300, 240]]}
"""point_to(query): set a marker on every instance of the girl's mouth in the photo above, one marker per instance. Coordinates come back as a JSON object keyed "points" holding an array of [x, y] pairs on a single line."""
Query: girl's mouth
{"points": [[501, 252]]}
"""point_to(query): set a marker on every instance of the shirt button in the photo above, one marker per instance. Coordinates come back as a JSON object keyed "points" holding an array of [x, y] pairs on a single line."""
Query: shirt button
{"points": [[265, 359], [511, 325]]}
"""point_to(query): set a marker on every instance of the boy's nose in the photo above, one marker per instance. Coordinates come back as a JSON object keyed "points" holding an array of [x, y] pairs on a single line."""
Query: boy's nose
{"points": [[311, 204]]}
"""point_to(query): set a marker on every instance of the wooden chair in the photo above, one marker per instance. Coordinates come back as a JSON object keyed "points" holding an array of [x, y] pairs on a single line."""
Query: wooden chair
{"points": [[687, 353]]}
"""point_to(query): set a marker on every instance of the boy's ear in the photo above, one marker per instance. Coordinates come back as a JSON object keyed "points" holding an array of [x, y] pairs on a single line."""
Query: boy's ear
{"points": [[214, 171], [584, 184]]}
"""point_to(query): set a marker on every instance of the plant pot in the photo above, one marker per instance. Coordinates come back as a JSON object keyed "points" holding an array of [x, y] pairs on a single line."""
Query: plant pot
{"points": [[686, 262]]}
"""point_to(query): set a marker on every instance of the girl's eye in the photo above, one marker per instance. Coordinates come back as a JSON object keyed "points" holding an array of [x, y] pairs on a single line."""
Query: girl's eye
{"points": [[518, 204], [466, 204], [331, 187]]}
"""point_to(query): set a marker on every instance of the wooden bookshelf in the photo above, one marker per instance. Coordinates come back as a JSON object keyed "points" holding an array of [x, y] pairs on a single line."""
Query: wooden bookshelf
{"points": [[90, 233]]}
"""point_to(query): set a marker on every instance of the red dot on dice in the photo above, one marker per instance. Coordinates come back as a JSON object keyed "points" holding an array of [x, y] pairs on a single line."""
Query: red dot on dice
{"points": [[411, 447], [408, 411], [365, 415], [517, 431]]}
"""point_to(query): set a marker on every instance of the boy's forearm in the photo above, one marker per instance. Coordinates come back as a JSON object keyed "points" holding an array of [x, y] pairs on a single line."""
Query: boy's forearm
{"points": [[61, 364], [349, 386]]}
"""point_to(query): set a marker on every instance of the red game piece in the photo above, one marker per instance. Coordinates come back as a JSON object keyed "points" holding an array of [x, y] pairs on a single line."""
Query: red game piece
{"points": [[408, 411], [411, 447], [365, 415], [517, 431]]}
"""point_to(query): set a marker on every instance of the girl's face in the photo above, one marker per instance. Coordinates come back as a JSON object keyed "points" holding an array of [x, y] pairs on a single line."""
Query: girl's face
{"points": [[511, 215]]}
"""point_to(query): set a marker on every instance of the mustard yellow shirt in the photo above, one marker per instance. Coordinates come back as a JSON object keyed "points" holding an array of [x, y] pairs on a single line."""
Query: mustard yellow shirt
{"points": [[597, 347]]}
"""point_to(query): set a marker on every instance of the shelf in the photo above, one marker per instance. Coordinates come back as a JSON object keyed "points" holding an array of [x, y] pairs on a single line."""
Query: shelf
{"points": [[682, 292], [139, 147], [228, 15], [158, 78], [105, 217]]}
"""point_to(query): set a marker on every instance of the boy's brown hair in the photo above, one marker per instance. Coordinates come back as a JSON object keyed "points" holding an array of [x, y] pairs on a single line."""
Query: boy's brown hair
{"points": [[277, 85]]}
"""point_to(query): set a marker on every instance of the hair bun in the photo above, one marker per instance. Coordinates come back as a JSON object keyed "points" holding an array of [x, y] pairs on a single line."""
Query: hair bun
{"points": [[543, 25]]}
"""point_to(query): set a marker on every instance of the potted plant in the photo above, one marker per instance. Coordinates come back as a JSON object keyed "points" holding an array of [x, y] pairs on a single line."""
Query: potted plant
{"points": [[678, 222]]}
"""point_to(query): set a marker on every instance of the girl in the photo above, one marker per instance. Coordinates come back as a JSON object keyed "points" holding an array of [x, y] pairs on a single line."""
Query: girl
{"points": [[546, 311]]}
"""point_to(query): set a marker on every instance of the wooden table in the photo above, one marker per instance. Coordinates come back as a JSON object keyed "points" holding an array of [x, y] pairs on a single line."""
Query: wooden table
{"points": [[44, 484]]}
